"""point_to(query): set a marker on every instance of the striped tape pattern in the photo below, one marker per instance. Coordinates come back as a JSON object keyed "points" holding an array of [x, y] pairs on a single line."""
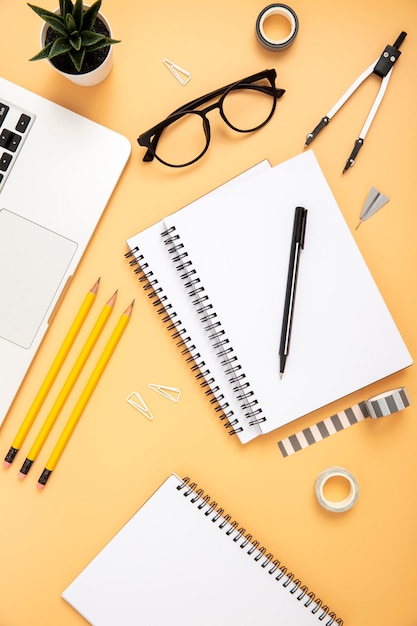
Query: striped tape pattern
{"points": [[378, 406]]}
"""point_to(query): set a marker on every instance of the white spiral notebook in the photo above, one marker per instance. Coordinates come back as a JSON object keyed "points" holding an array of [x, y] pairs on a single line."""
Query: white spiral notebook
{"points": [[181, 561], [217, 271]]}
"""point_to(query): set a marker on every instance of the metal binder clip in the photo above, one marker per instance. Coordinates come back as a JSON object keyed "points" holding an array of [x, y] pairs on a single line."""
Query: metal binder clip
{"points": [[178, 71], [375, 200], [382, 68]]}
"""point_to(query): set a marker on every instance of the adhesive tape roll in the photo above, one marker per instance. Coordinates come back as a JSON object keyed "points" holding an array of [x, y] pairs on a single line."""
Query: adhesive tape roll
{"points": [[341, 505], [388, 403], [284, 11]]}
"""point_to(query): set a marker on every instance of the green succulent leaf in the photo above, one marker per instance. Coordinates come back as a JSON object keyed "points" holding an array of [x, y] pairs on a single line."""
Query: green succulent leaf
{"points": [[77, 57], [43, 54], [41, 12], [90, 15], [78, 13], [89, 38], [55, 21], [76, 42], [59, 46], [65, 6], [105, 41], [70, 24]]}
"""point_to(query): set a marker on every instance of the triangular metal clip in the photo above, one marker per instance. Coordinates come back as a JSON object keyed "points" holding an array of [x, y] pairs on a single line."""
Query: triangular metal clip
{"points": [[172, 393], [374, 201], [178, 72], [138, 403]]}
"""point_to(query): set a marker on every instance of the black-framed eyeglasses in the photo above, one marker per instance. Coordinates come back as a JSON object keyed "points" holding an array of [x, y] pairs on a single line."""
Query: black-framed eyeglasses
{"points": [[184, 136]]}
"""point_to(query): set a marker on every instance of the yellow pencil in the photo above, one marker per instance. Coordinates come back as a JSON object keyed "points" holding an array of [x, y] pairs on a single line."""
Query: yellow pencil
{"points": [[52, 374], [85, 397], [68, 385]]}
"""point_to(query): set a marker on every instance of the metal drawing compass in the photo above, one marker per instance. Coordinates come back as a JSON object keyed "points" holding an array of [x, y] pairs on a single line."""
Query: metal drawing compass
{"points": [[382, 68]]}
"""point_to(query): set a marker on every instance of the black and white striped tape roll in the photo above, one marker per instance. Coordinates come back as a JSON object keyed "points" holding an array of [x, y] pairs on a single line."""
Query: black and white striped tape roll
{"points": [[378, 406], [284, 11]]}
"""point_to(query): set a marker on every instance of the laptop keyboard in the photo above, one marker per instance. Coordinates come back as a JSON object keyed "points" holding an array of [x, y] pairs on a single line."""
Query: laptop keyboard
{"points": [[15, 125]]}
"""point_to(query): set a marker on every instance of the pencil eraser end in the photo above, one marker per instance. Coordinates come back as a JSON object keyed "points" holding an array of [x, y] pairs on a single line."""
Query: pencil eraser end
{"points": [[40, 487], [21, 475], [6, 464]]}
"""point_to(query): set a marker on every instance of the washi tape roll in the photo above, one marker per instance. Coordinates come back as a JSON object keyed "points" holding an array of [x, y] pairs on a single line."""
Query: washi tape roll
{"points": [[383, 404], [339, 506], [388, 403], [284, 11]]}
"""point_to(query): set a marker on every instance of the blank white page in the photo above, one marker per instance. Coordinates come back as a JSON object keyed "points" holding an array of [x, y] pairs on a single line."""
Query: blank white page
{"points": [[149, 248], [238, 241], [172, 564]]}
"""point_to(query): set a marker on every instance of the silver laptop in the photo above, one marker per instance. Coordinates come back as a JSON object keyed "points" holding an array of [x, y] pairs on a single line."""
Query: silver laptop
{"points": [[57, 172]]}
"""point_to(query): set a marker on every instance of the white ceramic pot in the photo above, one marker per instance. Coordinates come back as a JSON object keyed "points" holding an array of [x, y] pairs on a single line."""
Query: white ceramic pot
{"points": [[87, 79]]}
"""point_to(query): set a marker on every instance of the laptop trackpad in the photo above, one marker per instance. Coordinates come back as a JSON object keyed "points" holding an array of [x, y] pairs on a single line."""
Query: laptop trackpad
{"points": [[33, 262]]}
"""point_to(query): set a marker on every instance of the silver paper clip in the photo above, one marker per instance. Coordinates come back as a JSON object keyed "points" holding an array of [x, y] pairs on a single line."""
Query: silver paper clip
{"points": [[136, 400], [178, 72], [171, 393]]}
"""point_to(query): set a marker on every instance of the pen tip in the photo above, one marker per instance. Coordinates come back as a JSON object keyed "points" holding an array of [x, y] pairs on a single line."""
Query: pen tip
{"points": [[281, 374]]}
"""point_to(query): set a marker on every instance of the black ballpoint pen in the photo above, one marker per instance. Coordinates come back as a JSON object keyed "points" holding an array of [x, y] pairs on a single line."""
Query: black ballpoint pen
{"points": [[297, 244]]}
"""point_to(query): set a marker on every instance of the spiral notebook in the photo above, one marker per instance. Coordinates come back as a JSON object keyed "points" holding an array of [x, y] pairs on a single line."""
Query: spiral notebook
{"points": [[216, 271], [180, 560]]}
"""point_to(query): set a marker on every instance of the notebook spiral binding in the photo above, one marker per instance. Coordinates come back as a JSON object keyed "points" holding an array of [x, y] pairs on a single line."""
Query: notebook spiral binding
{"points": [[260, 555], [179, 333], [212, 325]]}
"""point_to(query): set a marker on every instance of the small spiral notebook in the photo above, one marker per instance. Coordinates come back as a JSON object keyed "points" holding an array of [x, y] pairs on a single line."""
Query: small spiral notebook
{"points": [[180, 560], [216, 270]]}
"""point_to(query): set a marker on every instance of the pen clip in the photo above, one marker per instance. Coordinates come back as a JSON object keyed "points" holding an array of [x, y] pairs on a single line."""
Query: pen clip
{"points": [[301, 225]]}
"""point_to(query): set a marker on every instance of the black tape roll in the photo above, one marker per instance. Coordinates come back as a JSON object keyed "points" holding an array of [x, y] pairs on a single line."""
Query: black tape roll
{"points": [[284, 11]]}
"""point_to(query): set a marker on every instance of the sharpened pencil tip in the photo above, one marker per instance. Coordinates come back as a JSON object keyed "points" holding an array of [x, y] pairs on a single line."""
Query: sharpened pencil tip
{"points": [[128, 311], [113, 298], [94, 288]]}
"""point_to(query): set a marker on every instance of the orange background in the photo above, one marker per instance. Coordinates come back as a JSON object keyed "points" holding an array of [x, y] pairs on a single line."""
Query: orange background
{"points": [[364, 562]]}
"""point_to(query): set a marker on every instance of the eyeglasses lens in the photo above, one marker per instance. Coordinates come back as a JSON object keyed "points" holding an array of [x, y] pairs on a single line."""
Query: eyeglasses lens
{"points": [[247, 109], [182, 141]]}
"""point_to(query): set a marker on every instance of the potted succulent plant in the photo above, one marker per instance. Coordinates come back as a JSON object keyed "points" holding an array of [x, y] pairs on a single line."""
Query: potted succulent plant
{"points": [[76, 40]]}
